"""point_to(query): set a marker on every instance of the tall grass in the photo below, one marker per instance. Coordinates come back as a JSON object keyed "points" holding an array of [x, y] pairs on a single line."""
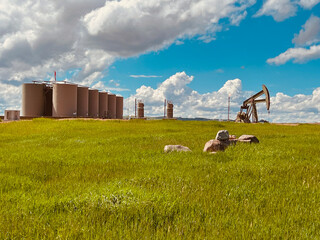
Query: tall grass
{"points": [[110, 179]]}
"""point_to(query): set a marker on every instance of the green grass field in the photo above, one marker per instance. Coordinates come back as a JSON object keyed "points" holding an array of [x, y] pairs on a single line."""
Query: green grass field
{"points": [[111, 180]]}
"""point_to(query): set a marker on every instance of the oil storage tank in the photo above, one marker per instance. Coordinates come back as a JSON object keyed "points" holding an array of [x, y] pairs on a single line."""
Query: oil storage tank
{"points": [[93, 103], [64, 102], [112, 106], [119, 109], [82, 101], [140, 110], [33, 99], [103, 104], [169, 110]]}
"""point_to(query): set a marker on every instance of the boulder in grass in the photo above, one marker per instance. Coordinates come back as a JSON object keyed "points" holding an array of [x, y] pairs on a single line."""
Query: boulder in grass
{"points": [[176, 148], [216, 146], [248, 139], [222, 135]]}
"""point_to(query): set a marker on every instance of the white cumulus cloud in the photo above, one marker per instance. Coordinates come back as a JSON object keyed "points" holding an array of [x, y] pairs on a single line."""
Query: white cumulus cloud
{"points": [[308, 35], [298, 108], [213, 105], [188, 102], [10, 97], [128, 27], [38, 37], [298, 55], [310, 32], [283, 9]]}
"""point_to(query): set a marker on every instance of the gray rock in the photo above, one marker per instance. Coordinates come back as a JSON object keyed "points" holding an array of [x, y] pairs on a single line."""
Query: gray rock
{"points": [[248, 139], [216, 145], [222, 135], [176, 148]]}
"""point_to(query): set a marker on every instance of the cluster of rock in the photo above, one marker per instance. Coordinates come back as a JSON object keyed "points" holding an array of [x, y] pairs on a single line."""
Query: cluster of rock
{"points": [[220, 143], [224, 140]]}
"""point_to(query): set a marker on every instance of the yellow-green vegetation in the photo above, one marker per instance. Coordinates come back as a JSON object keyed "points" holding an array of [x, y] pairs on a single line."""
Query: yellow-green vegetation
{"points": [[111, 180]]}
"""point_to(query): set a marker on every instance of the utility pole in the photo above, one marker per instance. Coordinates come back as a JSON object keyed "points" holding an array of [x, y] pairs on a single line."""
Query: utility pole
{"points": [[135, 108], [229, 108], [164, 108]]}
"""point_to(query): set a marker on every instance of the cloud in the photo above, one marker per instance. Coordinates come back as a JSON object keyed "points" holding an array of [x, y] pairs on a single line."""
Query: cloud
{"points": [[38, 37], [189, 103], [114, 82], [310, 32], [308, 35], [220, 70], [298, 55], [178, 42], [127, 28], [283, 9], [102, 87], [10, 97], [298, 108], [308, 4], [145, 76]]}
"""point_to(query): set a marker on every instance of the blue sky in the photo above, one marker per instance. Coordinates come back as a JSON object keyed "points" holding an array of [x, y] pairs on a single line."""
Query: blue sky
{"points": [[239, 52], [193, 52]]}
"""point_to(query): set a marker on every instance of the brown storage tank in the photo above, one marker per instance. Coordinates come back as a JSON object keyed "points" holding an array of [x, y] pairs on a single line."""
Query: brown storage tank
{"points": [[119, 111], [64, 100], [112, 106], [93, 103], [103, 104], [82, 101], [33, 100], [140, 110], [11, 115], [169, 110], [48, 101]]}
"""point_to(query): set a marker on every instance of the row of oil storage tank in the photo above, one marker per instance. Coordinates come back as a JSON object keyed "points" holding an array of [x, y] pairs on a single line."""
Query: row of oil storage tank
{"points": [[61, 100]]}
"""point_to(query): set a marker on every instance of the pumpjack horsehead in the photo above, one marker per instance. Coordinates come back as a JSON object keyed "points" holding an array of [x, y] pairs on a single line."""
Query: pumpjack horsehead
{"points": [[249, 109]]}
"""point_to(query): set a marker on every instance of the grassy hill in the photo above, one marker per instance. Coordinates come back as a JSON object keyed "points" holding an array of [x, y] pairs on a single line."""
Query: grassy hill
{"points": [[87, 179]]}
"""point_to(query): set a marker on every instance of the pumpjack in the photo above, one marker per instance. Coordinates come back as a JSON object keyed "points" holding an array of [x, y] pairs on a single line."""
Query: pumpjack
{"points": [[249, 109]]}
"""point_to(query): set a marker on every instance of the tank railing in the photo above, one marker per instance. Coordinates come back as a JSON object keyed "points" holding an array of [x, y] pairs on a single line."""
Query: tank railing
{"points": [[79, 85], [93, 89], [52, 82]]}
